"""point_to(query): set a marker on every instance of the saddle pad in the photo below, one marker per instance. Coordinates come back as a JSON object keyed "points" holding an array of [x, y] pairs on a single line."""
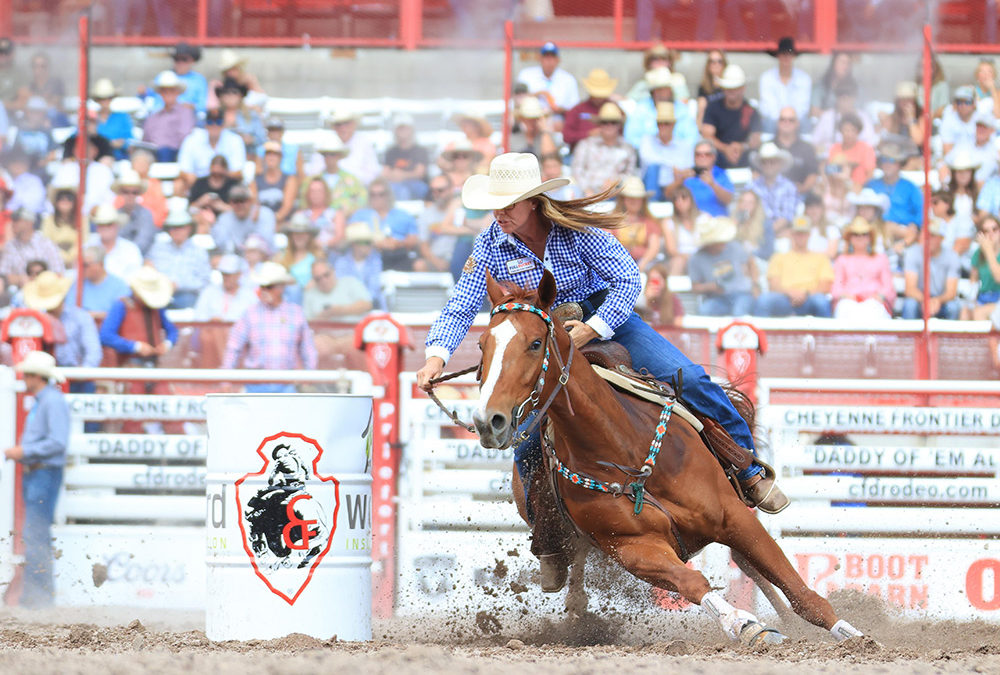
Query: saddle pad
{"points": [[628, 385]]}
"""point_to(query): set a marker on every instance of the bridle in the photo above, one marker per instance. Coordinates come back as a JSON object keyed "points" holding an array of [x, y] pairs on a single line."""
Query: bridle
{"points": [[531, 402], [536, 393]]}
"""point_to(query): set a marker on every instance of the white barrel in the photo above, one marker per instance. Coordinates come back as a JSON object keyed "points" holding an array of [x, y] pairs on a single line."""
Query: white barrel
{"points": [[288, 516]]}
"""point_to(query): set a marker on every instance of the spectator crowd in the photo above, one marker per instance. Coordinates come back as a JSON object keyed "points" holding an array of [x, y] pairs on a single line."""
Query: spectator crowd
{"points": [[797, 202]]}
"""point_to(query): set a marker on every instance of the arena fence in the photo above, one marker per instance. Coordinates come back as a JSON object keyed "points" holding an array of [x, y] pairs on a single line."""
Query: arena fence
{"points": [[130, 522], [894, 490], [820, 25]]}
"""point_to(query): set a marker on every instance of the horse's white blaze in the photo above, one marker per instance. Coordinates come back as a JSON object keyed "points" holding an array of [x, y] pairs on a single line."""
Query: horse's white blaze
{"points": [[502, 335]]}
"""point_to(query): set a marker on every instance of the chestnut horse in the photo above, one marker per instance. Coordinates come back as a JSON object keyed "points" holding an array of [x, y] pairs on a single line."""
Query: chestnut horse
{"points": [[527, 362]]}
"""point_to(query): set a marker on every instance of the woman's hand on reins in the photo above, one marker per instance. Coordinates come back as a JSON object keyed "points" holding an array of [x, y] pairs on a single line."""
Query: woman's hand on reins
{"points": [[580, 332], [431, 369]]}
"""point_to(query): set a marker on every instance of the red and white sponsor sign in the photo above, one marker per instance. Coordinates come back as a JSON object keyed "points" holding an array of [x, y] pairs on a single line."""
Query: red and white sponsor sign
{"points": [[955, 579]]}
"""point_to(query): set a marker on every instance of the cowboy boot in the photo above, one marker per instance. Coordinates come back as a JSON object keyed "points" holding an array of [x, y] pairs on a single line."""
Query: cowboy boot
{"points": [[763, 492], [758, 490], [550, 534]]}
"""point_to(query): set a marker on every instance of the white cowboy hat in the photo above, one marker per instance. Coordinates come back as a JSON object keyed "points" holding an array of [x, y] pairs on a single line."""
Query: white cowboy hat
{"points": [[659, 78], [530, 109], [300, 222], [105, 214], [962, 158], [103, 88], [599, 84], [154, 288], [462, 145], [178, 215], [230, 263], [720, 229], [46, 291], [771, 151], [732, 77], [359, 233], [906, 89], [485, 128], [62, 183], [41, 364], [341, 116], [868, 197], [168, 79], [514, 177], [270, 273], [632, 186], [330, 144], [985, 118], [129, 177], [230, 59]]}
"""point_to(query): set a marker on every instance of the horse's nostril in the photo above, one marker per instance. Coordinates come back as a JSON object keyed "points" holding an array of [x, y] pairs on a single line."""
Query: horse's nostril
{"points": [[498, 422]]}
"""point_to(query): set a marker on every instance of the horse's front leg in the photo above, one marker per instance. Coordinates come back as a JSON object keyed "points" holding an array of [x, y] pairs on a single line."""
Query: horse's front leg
{"points": [[652, 558], [576, 596]]}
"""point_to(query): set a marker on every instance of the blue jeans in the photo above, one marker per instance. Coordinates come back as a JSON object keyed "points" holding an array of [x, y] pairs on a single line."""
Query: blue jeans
{"points": [[726, 304], [270, 388], [183, 300], [655, 353], [39, 490], [778, 304], [913, 310]]}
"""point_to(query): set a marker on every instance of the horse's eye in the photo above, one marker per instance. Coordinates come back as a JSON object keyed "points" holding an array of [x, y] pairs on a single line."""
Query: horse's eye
{"points": [[535, 346]]}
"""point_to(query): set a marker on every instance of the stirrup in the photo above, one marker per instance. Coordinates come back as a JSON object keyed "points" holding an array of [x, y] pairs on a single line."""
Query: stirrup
{"points": [[762, 492], [554, 572]]}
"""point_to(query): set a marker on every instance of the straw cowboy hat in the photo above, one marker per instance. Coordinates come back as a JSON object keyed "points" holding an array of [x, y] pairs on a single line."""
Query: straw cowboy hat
{"points": [[46, 291], [270, 273], [359, 233], [732, 77], [599, 84], [62, 183], [858, 226], [717, 230], [868, 197], [513, 177], [341, 116], [41, 364], [105, 214], [103, 88], [230, 59], [633, 187], [485, 128], [906, 89], [230, 263], [665, 112], [659, 78], [961, 158], [531, 109], [168, 79], [153, 288], [610, 112], [770, 151], [300, 222], [330, 144], [802, 223], [464, 146], [129, 178]]}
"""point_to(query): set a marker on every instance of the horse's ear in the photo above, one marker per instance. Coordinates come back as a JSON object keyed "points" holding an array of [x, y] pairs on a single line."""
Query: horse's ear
{"points": [[493, 289], [546, 290]]}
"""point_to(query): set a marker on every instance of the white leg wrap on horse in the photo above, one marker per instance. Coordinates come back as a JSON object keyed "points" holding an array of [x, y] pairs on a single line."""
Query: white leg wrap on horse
{"points": [[843, 630], [730, 618]]}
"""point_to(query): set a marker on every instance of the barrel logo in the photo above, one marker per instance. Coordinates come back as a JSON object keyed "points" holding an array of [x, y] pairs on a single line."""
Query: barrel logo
{"points": [[288, 513]]}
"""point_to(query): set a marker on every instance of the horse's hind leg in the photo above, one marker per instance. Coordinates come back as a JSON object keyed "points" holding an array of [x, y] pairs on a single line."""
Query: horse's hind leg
{"points": [[765, 586], [654, 560], [748, 537]]}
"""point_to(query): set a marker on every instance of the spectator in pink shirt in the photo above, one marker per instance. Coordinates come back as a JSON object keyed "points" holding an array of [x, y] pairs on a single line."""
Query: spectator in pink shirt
{"points": [[272, 334], [862, 281]]}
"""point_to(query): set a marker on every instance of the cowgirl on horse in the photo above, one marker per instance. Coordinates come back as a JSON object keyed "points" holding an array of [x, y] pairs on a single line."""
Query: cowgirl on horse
{"points": [[532, 233]]}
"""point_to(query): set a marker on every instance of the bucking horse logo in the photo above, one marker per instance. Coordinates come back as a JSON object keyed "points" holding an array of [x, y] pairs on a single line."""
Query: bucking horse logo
{"points": [[288, 513]]}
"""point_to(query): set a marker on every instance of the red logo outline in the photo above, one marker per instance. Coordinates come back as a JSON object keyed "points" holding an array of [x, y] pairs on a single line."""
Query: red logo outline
{"points": [[333, 521]]}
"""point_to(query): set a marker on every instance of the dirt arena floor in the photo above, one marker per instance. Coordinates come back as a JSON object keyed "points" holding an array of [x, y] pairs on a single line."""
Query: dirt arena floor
{"points": [[128, 641]]}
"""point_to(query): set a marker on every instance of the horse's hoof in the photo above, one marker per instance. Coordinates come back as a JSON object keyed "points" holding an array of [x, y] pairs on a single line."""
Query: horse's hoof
{"points": [[756, 634], [554, 572]]}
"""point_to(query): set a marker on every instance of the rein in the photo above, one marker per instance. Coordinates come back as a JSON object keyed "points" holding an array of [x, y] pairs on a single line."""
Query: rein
{"points": [[452, 414]]}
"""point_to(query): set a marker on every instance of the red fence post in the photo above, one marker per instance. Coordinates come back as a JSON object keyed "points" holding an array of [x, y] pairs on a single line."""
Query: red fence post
{"points": [[925, 351], [383, 339], [825, 25], [508, 74], [202, 28], [411, 15], [619, 16], [81, 149]]}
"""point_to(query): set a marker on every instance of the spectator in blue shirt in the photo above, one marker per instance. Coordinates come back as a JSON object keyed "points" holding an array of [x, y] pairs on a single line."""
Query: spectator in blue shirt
{"points": [[906, 204], [395, 231], [710, 186], [361, 261], [114, 126], [100, 289], [778, 194], [196, 92], [42, 455]]}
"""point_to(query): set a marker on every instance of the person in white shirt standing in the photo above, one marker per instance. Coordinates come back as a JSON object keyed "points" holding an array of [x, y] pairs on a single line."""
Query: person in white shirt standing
{"points": [[550, 83], [122, 258], [784, 85]]}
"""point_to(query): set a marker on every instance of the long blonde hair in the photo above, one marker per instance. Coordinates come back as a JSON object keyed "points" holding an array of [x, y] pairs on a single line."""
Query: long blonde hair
{"points": [[574, 213]]}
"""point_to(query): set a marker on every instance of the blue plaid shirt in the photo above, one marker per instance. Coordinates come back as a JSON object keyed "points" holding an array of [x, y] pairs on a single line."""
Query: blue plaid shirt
{"points": [[581, 262]]}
